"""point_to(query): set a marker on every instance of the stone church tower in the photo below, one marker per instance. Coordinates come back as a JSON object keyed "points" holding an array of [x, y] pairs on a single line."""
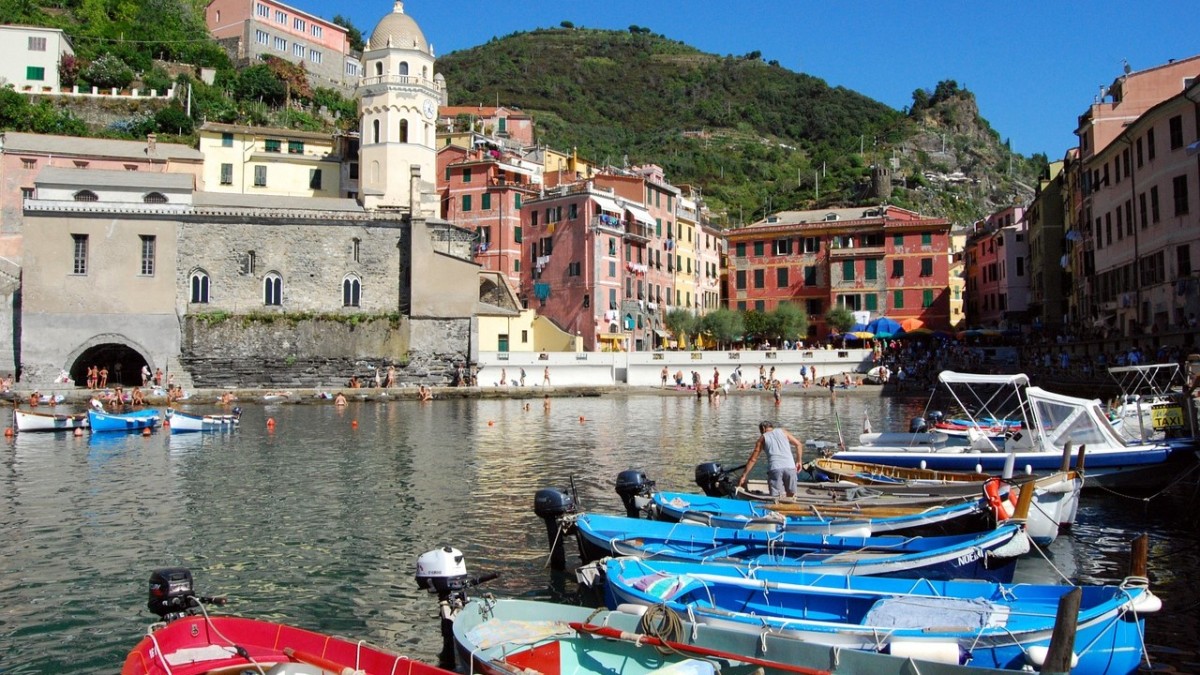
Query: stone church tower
{"points": [[398, 108]]}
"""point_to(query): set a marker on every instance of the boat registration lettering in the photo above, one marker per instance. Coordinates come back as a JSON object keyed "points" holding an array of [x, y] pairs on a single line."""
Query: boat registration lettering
{"points": [[969, 557]]}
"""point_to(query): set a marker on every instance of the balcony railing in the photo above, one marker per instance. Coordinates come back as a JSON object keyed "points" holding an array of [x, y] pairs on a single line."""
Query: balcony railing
{"points": [[856, 252]]}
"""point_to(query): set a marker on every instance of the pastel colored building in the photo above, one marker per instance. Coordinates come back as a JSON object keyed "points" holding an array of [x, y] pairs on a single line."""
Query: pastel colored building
{"points": [[265, 161], [29, 57], [252, 29], [1048, 264], [512, 125], [482, 190], [1139, 212], [997, 269], [884, 261]]}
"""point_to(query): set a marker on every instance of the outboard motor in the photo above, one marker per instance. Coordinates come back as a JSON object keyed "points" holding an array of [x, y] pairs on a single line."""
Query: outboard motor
{"points": [[443, 571], [917, 425], [713, 479], [630, 485], [551, 504], [936, 417], [173, 596]]}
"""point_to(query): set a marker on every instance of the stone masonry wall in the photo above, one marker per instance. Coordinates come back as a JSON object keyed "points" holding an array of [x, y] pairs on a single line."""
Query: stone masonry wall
{"points": [[320, 353]]}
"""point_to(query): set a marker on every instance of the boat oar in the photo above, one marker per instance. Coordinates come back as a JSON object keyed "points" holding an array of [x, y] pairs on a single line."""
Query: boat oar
{"points": [[640, 638], [320, 662]]}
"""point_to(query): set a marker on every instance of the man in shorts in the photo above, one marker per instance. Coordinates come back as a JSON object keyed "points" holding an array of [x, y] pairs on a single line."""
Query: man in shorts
{"points": [[781, 463]]}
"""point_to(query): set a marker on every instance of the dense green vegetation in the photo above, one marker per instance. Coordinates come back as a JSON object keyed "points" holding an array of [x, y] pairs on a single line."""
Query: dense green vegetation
{"points": [[756, 137]]}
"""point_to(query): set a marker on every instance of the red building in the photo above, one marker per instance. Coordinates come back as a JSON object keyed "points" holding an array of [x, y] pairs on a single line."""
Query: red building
{"points": [[483, 189], [885, 261]]}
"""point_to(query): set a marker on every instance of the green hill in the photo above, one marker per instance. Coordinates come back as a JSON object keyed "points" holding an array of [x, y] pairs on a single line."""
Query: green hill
{"points": [[752, 134]]}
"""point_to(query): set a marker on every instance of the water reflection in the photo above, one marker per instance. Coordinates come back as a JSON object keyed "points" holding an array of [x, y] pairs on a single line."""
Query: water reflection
{"points": [[318, 520]]}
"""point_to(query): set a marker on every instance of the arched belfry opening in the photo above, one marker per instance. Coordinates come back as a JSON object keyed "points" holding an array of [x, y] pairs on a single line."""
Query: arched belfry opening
{"points": [[124, 364]]}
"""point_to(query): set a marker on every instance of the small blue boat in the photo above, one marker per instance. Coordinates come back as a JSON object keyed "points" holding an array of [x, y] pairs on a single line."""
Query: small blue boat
{"points": [[989, 555], [817, 519], [130, 421], [506, 636], [972, 623]]}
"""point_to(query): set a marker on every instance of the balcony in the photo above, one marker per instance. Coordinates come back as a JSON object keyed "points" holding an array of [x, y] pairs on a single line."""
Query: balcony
{"points": [[638, 231], [836, 253]]}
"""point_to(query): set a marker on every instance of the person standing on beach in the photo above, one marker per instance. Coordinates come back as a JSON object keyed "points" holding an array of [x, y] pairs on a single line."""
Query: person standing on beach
{"points": [[781, 465], [546, 376], [664, 377]]}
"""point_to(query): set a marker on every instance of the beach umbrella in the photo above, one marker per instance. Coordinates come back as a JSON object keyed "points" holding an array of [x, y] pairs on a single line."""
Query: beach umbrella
{"points": [[859, 335], [910, 324], [883, 327], [915, 333]]}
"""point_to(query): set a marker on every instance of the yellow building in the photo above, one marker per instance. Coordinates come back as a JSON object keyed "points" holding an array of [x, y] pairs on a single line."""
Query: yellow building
{"points": [[957, 278], [265, 161]]}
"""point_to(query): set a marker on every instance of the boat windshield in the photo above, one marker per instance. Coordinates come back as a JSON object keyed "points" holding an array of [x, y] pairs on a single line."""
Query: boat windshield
{"points": [[1077, 423]]}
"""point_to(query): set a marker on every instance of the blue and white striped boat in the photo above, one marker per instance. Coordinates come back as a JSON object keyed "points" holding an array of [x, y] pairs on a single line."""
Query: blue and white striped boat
{"points": [[989, 555], [816, 519], [967, 622]]}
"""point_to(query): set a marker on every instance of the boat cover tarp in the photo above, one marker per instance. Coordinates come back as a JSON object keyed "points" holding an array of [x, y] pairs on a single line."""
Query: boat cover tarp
{"points": [[917, 612], [951, 377]]}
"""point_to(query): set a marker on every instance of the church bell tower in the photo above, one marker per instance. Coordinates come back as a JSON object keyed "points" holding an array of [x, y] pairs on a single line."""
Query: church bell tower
{"points": [[398, 108]]}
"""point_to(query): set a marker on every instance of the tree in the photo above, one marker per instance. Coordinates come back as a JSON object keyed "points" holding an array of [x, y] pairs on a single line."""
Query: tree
{"points": [[353, 34], [756, 323], [567, 24], [684, 324], [108, 72], [723, 325], [259, 83], [788, 322], [839, 318]]}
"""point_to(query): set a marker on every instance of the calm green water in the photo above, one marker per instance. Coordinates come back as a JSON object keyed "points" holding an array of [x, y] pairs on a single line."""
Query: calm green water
{"points": [[319, 522]]}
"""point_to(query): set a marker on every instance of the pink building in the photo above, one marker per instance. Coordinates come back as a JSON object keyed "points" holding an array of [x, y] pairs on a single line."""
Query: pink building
{"points": [[23, 156], [588, 250], [250, 29], [997, 262], [1139, 215], [501, 122], [483, 189]]}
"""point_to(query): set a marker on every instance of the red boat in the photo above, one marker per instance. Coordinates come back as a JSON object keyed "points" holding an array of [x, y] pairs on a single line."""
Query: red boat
{"points": [[191, 642]]}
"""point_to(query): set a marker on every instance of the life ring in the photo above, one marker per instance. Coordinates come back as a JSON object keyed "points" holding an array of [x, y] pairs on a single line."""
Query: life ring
{"points": [[1003, 511]]}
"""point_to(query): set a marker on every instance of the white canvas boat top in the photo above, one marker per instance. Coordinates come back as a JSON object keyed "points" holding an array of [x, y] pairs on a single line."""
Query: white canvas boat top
{"points": [[951, 377]]}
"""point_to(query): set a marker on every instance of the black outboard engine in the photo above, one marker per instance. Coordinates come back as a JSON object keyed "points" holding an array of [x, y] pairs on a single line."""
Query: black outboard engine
{"points": [[936, 417], [713, 479], [173, 596], [917, 425], [550, 504], [443, 571], [630, 485], [171, 592]]}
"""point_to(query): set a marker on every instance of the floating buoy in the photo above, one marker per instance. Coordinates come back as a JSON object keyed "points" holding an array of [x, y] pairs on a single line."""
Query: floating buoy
{"points": [[270, 422], [582, 419], [491, 423], [166, 423], [78, 432], [8, 432], [146, 431], [353, 424]]}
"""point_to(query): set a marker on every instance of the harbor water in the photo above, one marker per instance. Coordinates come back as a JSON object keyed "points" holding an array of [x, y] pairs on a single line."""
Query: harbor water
{"points": [[317, 520]]}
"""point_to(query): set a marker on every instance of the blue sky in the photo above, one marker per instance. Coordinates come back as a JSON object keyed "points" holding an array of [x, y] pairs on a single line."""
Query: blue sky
{"points": [[1034, 67]]}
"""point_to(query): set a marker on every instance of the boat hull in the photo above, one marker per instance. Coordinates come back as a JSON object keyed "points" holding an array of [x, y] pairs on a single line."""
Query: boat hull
{"points": [[181, 422], [522, 625], [38, 421], [740, 514], [202, 645], [990, 555], [132, 421], [968, 622]]}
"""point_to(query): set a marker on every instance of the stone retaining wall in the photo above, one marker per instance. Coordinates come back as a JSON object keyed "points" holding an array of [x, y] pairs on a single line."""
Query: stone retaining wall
{"points": [[320, 353]]}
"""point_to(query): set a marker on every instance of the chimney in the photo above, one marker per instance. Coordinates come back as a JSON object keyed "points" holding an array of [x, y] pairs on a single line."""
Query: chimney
{"points": [[151, 143]]}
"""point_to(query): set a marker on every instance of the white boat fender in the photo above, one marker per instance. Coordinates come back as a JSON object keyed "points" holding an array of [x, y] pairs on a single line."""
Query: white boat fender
{"points": [[630, 608], [1146, 603], [940, 651], [1036, 656]]}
